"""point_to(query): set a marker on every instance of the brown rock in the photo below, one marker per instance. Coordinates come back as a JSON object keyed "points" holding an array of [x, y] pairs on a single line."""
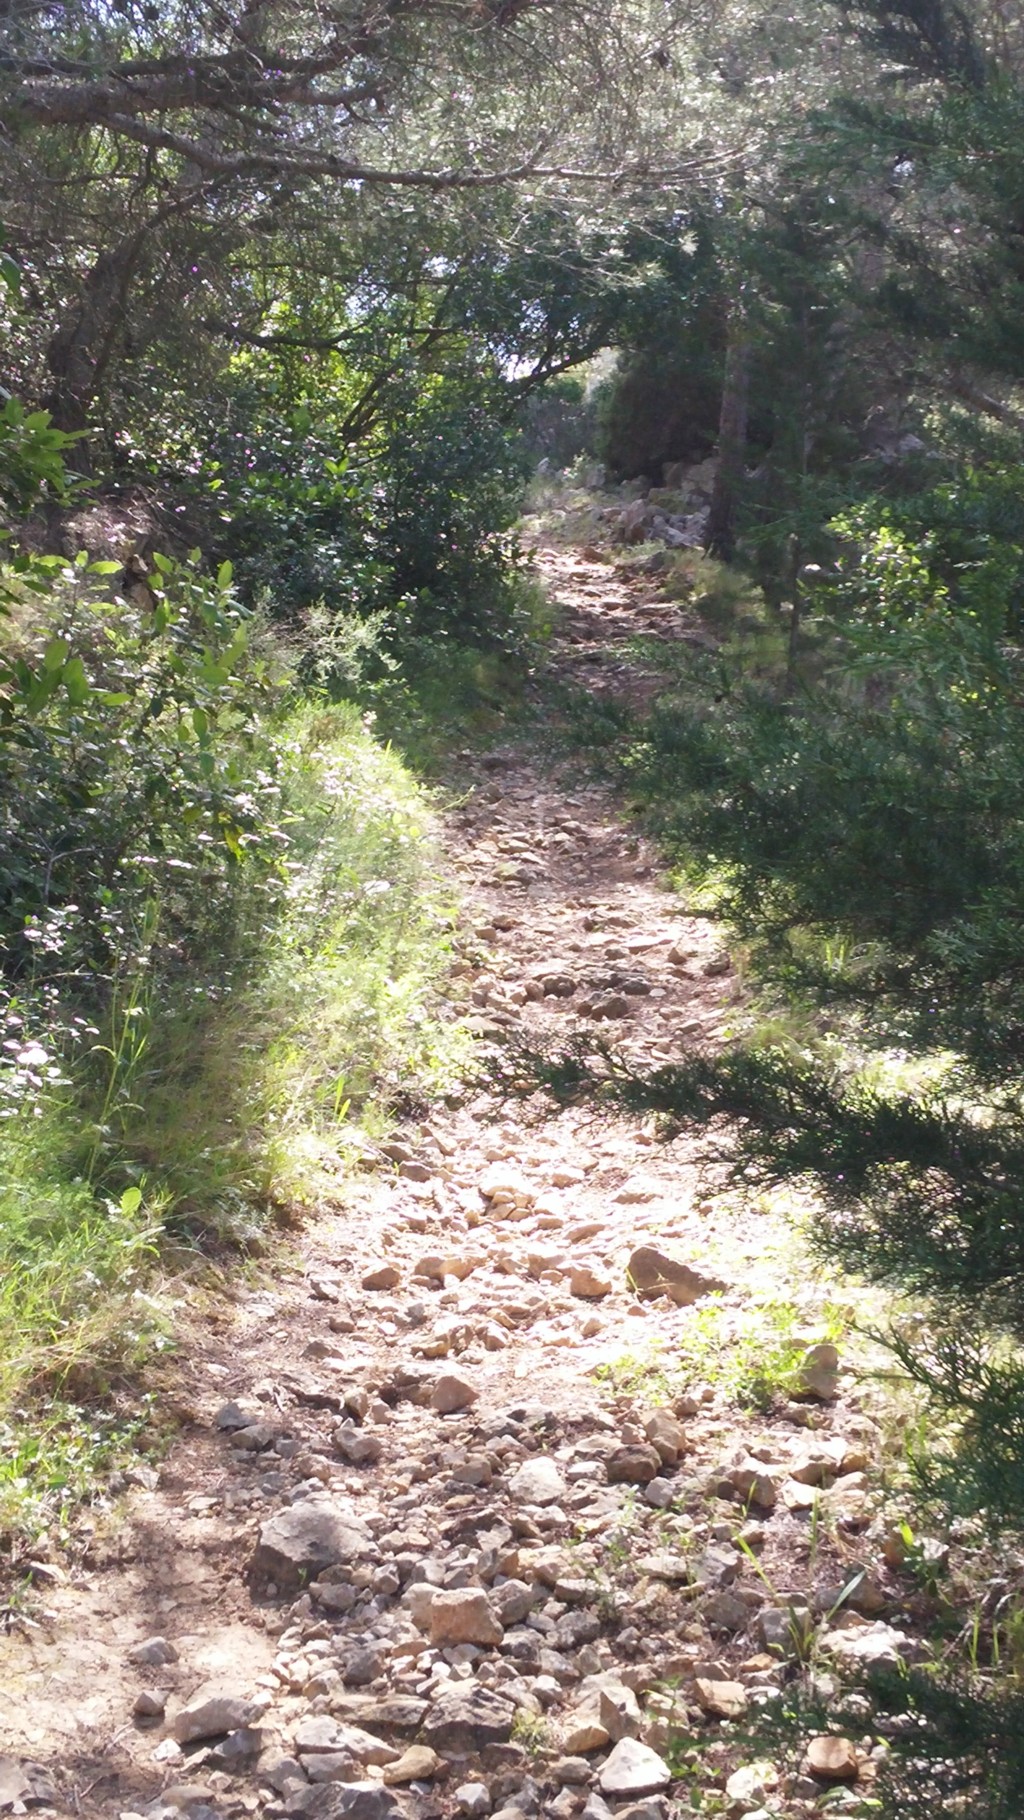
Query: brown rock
{"points": [[634, 1465], [417, 1764], [654, 1273], [464, 1615], [833, 1759], [589, 1284], [382, 1276], [722, 1699], [451, 1393], [667, 1435]]}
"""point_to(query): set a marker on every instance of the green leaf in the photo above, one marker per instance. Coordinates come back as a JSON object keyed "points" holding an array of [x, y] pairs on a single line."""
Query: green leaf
{"points": [[201, 723], [55, 654], [10, 273], [131, 1201], [224, 574], [105, 568], [76, 682]]}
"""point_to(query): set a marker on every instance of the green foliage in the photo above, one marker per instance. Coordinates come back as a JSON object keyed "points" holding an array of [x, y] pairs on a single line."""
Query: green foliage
{"points": [[411, 531], [129, 797], [956, 1746], [865, 836], [876, 817], [220, 942], [953, 1740], [31, 457]]}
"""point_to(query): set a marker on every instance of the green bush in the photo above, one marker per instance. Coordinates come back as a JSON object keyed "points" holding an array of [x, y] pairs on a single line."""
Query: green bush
{"points": [[866, 837], [221, 937], [412, 529]]}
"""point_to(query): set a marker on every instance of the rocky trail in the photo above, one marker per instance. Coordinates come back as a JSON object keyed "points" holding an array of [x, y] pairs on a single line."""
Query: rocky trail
{"points": [[410, 1557]]}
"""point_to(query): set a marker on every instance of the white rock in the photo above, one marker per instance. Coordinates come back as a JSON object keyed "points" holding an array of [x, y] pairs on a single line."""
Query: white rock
{"points": [[633, 1769], [538, 1481], [473, 1799]]}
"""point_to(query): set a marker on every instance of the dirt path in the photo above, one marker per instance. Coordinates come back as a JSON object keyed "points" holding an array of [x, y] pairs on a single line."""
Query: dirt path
{"points": [[408, 1421]]}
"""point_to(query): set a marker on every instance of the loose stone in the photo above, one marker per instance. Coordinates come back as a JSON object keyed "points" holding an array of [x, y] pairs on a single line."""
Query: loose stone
{"points": [[653, 1273], [464, 1615], [833, 1759], [452, 1393], [633, 1769]]}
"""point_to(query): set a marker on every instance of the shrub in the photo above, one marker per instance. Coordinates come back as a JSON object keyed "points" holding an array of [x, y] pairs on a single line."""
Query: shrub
{"points": [[221, 935], [866, 836]]}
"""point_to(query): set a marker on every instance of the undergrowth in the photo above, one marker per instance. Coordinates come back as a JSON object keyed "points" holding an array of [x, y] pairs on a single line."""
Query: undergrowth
{"points": [[222, 936]]}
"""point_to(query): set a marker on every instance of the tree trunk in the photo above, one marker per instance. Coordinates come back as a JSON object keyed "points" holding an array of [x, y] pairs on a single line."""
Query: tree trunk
{"points": [[81, 346], [720, 537]]}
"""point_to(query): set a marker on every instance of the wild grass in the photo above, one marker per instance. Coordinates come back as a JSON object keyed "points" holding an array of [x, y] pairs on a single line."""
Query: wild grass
{"points": [[207, 1103]]}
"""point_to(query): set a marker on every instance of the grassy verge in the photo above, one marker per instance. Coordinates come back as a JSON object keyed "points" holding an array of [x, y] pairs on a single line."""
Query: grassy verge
{"points": [[216, 982]]}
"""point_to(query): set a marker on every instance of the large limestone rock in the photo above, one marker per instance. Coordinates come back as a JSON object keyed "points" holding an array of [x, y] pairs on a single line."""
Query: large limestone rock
{"points": [[465, 1719], [633, 1769], [464, 1615], [297, 1544], [654, 1273]]}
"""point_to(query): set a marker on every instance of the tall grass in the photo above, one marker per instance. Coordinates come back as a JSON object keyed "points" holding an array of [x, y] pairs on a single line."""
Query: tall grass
{"points": [[208, 1100]]}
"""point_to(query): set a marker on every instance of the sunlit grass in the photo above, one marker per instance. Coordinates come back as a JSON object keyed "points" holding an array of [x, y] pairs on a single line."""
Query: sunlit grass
{"points": [[232, 1102]]}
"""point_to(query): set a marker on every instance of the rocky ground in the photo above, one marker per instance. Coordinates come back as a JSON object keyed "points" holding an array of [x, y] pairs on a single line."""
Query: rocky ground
{"points": [[426, 1546]]}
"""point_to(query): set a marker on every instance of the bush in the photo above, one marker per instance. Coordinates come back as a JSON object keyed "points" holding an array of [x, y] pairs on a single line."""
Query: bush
{"points": [[866, 836], [221, 936], [413, 529]]}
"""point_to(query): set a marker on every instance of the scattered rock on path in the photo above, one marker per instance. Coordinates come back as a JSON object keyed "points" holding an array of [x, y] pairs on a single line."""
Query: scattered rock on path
{"points": [[833, 1759], [633, 1769], [381, 1276], [588, 1284], [155, 1652], [343, 1801], [452, 1393], [722, 1699], [210, 1715], [298, 1543], [817, 1374], [635, 1464], [537, 1481], [416, 1764], [654, 1273], [748, 1785], [466, 1719], [464, 1615]]}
